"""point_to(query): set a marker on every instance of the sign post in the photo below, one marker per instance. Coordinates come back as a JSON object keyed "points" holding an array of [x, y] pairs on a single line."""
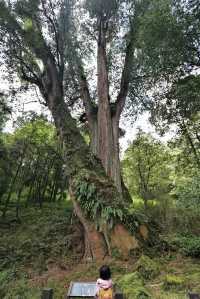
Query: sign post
{"points": [[47, 294]]}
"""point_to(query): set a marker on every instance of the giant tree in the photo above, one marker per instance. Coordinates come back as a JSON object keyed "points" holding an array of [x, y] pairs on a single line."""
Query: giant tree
{"points": [[36, 41], [109, 29]]}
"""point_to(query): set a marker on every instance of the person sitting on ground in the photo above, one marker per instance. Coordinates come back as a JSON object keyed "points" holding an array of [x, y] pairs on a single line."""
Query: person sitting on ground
{"points": [[104, 284]]}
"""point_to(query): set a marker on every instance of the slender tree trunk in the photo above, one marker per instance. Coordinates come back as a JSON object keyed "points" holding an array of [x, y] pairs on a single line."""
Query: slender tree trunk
{"points": [[46, 178], [18, 200], [28, 199], [12, 185], [52, 191]]}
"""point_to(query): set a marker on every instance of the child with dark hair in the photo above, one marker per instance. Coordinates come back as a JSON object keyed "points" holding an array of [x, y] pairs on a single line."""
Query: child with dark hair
{"points": [[104, 283]]}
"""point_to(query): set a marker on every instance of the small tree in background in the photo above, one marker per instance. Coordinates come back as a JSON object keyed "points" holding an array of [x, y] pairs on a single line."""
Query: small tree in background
{"points": [[146, 168]]}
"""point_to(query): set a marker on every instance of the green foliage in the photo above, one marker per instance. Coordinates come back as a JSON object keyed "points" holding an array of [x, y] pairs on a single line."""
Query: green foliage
{"points": [[184, 96], [94, 203], [187, 191], [5, 110], [173, 282], [31, 163], [102, 8], [187, 163], [4, 167], [22, 290], [167, 33], [188, 245], [146, 167], [28, 25], [180, 106], [14, 284], [168, 42], [97, 205], [147, 268], [5, 278], [161, 38], [133, 287], [44, 234], [133, 218]]}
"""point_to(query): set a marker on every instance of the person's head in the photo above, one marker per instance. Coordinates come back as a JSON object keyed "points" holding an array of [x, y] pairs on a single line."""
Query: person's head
{"points": [[105, 272]]}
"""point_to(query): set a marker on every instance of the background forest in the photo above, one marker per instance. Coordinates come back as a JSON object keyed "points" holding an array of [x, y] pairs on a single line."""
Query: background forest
{"points": [[70, 196]]}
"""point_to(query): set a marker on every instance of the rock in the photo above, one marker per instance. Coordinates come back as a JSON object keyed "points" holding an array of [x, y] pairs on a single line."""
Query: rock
{"points": [[143, 231], [123, 240]]}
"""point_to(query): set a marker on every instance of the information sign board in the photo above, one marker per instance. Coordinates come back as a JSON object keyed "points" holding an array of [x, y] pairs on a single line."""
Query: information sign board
{"points": [[82, 289]]}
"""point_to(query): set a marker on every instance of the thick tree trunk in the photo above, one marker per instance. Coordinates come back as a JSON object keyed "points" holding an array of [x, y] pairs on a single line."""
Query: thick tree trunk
{"points": [[114, 162], [82, 166], [109, 157], [94, 242], [107, 127], [104, 123], [79, 161], [78, 158]]}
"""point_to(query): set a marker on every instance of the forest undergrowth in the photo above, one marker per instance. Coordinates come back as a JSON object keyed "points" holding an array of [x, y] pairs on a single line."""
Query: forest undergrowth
{"points": [[45, 249]]}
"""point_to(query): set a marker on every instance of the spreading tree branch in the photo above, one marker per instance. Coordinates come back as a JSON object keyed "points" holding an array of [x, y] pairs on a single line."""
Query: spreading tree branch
{"points": [[83, 84], [53, 24]]}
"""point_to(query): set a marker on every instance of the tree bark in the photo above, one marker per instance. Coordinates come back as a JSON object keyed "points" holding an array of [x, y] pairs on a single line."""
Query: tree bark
{"points": [[104, 123], [94, 242], [78, 157], [108, 127]]}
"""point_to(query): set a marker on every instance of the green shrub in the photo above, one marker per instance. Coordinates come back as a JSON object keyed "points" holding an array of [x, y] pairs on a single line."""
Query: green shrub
{"points": [[21, 290], [187, 191], [147, 267], [133, 287], [173, 282], [50, 234], [189, 245], [5, 278], [13, 284]]}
